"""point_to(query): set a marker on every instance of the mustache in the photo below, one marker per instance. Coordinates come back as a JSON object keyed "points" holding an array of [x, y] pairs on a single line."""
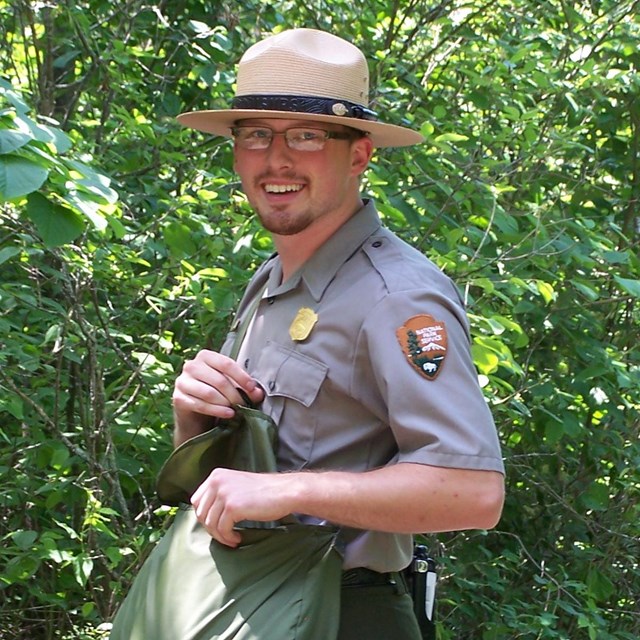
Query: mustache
{"points": [[270, 177]]}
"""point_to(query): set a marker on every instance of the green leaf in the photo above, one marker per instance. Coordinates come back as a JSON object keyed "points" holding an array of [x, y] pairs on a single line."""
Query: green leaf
{"points": [[94, 182], [40, 132], [12, 404], [485, 358], [82, 568], [12, 96], [61, 140], [544, 289], [11, 140], [178, 237], [19, 177], [87, 206], [24, 539], [7, 253], [600, 586], [56, 224], [596, 497], [427, 129], [451, 137], [632, 287]]}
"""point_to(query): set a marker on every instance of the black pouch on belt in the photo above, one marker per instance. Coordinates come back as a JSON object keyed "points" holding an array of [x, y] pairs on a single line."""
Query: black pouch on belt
{"points": [[421, 577]]}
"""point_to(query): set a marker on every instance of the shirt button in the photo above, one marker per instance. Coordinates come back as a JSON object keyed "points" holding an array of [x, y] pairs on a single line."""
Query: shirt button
{"points": [[377, 244], [272, 385], [270, 300], [246, 363]]}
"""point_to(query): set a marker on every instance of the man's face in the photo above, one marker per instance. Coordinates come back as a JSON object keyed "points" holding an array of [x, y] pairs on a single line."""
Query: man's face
{"points": [[293, 190]]}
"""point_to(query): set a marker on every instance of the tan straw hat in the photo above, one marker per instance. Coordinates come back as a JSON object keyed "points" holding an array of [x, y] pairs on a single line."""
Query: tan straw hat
{"points": [[303, 74]]}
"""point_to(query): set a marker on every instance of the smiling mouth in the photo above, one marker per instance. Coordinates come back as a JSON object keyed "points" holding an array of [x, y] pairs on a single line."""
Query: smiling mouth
{"points": [[283, 188]]}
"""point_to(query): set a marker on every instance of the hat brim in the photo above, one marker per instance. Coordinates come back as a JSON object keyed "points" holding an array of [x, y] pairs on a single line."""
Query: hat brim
{"points": [[220, 123]]}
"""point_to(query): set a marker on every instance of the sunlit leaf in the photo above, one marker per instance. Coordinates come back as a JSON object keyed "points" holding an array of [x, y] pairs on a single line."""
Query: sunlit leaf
{"points": [[12, 140], [632, 287], [19, 176], [56, 224]]}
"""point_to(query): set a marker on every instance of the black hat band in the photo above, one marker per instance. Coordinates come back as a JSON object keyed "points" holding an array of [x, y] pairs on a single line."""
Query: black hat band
{"points": [[305, 104]]}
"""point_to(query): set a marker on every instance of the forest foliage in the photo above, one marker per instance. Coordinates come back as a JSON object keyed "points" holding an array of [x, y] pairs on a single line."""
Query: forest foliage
{"points": [[125, 243]]}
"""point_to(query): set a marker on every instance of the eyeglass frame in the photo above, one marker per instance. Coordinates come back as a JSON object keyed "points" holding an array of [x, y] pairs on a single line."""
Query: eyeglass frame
{"points": [[328, 135]]}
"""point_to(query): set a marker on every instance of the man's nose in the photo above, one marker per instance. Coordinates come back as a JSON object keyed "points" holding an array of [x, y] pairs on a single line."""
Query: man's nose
{"points": [[279, 152]]}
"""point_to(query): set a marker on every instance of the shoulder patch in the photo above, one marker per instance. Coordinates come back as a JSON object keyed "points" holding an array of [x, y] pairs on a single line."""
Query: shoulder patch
{"points": [[424, 341]]}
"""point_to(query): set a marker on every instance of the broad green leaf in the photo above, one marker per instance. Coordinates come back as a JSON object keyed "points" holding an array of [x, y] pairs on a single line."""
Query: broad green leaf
{"points": [[11, 140], [12, 404], [24, 539], [61, 140], [94, 181], [42, 133], [19, 177], [427, 129], [632, 287], [544, 289], [12, 96], [587, 290], [7, 253], [56, 224], [82, 568], [596, 497], [617, 257], [87, 206], [484, 358], [179, 238], [600, 586], [553, 432]]}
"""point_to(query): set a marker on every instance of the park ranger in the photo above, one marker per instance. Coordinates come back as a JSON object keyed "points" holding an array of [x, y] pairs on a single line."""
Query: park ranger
{"points": [[359, 347]]}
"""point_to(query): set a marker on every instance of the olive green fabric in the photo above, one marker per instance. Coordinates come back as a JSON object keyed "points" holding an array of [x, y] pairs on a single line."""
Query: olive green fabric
{"points": [[279, 584], [246, 441], [282, 582]]}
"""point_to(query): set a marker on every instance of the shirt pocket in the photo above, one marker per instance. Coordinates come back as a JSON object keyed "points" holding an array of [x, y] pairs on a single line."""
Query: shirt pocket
{"points": [[292, 382], [286, 373]]}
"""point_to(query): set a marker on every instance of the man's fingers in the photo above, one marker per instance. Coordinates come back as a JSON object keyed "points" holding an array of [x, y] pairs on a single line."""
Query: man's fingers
{"points": [[209, 385], [212, 512], [234, 376]]}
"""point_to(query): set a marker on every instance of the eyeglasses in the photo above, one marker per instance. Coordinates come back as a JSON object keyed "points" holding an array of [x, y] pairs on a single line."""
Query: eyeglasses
{"points": [[297, 138]]}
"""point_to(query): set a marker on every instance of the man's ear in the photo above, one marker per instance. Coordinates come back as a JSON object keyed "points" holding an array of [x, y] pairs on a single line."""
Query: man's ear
{"points": [[361, 152]]}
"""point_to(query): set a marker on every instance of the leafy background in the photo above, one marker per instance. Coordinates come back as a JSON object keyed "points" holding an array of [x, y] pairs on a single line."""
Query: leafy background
{"points": [[125, 243]]}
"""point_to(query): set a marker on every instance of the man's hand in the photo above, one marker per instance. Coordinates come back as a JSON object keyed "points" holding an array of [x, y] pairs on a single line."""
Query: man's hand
{"points": [[206, 388], [227, 497]]}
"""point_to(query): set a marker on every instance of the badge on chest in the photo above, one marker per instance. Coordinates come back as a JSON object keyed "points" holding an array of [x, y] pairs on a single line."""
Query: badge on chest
{"points": [[302, 324]]}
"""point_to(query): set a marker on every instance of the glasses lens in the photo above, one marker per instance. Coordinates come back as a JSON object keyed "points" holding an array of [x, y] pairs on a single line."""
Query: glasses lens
{"points": [[306, 139], [252, 137]]}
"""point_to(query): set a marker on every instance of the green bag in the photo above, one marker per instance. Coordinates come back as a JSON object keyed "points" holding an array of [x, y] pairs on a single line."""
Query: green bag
{"points": [[281, 583], [247, 442]]}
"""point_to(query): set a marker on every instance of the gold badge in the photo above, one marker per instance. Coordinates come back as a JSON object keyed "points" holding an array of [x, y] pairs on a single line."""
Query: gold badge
{"points": [[424, 341], [302, 324]]}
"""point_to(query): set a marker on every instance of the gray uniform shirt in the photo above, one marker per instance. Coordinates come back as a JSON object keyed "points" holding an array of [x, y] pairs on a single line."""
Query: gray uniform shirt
{"points": [[347, 397]]}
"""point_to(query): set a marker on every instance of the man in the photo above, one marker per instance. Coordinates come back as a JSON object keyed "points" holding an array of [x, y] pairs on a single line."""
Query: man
{"points": [[359, 347]]}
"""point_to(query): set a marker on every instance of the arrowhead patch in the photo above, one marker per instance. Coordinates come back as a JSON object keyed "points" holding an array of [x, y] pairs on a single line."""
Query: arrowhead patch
{"points": [[424, 341]]}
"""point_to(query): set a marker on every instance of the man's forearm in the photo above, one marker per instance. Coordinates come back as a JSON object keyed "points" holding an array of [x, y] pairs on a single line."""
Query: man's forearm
{"points": [[404, 498]]}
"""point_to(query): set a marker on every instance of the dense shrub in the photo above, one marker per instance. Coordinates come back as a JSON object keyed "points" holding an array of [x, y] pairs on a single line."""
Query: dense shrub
{"points": [[125, 244]]}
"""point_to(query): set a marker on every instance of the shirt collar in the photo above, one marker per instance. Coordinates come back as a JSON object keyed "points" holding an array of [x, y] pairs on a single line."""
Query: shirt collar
{"points": [[323, 265]]}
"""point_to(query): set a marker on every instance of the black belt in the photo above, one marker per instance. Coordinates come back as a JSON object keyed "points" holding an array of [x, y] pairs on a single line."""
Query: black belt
{"points": [[361, 577]]}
